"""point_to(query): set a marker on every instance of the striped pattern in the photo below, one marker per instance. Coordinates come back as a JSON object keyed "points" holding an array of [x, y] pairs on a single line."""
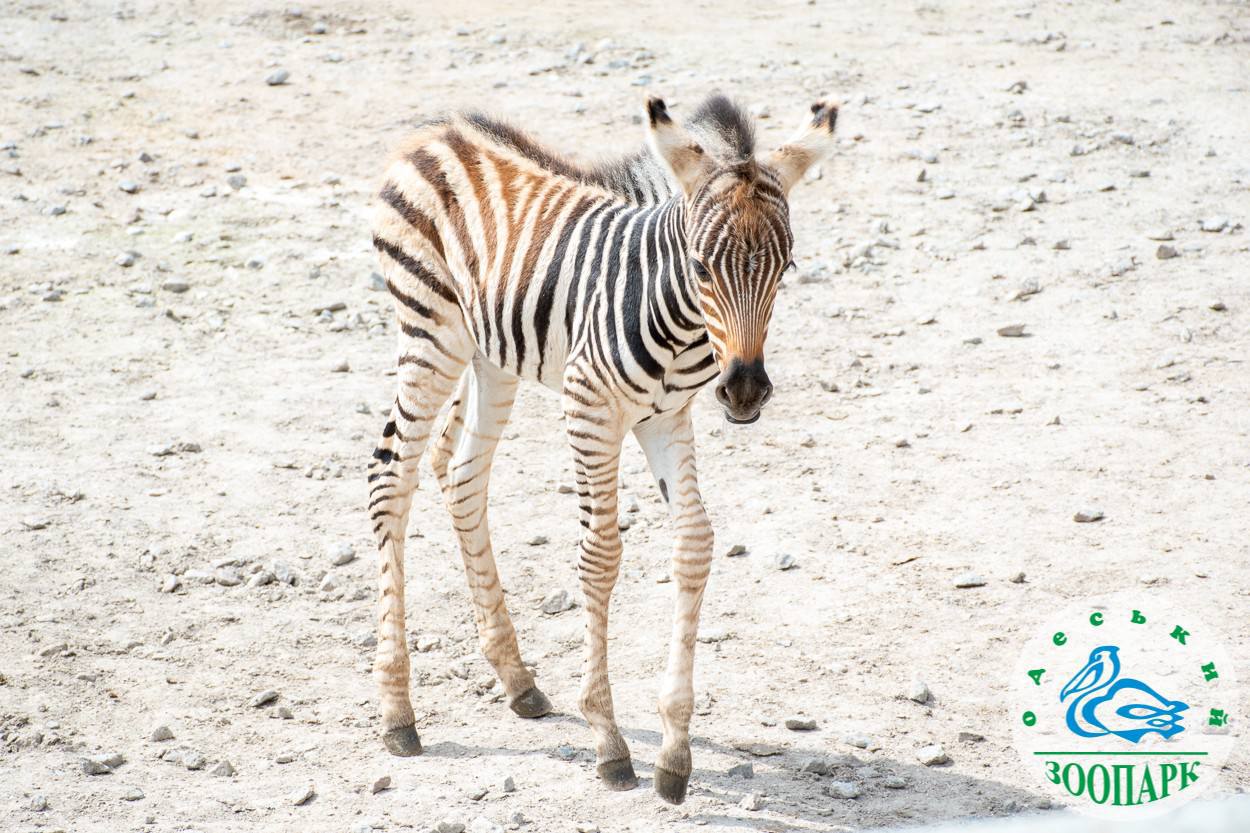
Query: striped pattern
{"points": [[626, 288]]}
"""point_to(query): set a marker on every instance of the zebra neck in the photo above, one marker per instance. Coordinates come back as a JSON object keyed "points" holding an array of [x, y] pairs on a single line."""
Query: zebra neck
{"points": [[672, 305]]}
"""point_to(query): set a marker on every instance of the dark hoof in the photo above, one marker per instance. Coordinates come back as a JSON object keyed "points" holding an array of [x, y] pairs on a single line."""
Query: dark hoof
{"points": [[670, 786], [533, 703], [618, 775], [403, 741]]}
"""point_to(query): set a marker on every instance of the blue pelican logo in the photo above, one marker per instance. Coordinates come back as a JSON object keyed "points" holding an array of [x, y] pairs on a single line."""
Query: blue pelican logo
{"points": [[1103, 704]]}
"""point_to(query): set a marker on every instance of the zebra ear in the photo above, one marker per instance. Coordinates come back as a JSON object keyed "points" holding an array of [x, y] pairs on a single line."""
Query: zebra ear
{"points": [[813, 142], [683, 156]]}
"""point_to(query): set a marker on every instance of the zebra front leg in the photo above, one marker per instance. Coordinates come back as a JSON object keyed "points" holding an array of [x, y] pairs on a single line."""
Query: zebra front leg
{"points": [[668, 442], [596, 448], [462, 460], [425, 379]]}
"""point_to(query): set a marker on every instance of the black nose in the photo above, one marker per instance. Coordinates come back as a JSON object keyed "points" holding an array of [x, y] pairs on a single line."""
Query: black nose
{"points": [[743, 389]]}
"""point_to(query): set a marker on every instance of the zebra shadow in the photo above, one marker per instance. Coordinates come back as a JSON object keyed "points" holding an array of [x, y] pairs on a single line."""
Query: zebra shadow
{"points": [[805, 787]]}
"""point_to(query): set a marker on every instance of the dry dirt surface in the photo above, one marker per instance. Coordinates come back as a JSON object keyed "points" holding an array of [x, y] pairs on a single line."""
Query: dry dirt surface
{"points": [[194, 364]]}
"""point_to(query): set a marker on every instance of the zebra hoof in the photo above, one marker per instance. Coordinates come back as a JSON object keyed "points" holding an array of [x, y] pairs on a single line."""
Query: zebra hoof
{"points": [[670, 786], [618, 776], [531, 703], [403, 741]]}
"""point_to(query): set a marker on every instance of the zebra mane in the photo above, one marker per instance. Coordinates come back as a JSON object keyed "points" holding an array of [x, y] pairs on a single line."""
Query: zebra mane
{"points": [[719, 125], [638, 177], [723, 129]]}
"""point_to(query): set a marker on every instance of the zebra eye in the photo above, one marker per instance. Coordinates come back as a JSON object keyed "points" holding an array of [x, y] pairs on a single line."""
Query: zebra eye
{"points": [[700, 271], [789, 266]]}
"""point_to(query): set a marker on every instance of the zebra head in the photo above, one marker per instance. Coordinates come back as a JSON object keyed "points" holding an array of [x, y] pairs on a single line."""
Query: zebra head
{"points": [[737, 228]]}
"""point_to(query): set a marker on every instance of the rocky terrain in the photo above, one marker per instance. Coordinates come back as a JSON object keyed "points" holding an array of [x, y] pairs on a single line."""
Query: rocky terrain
{"points": [[1021, 302]]}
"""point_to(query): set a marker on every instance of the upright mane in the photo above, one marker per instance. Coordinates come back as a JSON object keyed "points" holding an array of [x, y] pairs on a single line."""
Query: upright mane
{"points": [[723, 130], [638, 177], [721, 126]]}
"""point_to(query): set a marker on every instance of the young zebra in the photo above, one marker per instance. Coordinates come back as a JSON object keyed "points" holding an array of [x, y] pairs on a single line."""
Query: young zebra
{"points": [[625, 288]]}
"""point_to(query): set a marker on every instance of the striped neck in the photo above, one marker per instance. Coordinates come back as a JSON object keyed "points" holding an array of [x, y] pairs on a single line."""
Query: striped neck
{"points": [[672, 304]]}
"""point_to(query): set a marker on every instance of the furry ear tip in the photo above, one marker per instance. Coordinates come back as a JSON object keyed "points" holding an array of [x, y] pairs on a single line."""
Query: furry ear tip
{"points": [[657, 111], [825, 113]]}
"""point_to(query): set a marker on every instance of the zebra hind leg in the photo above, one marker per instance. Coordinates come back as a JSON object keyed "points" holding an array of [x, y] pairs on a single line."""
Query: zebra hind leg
{"points": [[462, 460], [427, 371]]}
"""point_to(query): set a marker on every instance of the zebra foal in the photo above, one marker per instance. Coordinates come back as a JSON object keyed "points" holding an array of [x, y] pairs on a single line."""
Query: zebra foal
{"points": [[625, 288]]}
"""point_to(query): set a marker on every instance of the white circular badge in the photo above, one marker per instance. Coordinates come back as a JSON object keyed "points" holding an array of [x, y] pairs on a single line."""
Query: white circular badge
{"points": [[1125, 707]]}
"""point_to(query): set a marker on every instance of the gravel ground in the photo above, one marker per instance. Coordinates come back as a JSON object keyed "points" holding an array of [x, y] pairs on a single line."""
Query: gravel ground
{"points": [[1021, 295]]}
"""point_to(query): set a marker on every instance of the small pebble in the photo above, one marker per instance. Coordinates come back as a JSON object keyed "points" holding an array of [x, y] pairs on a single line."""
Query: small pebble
{"points": [[129, 186], [260, 579], [1011, 331], [342, 553], [800, 724], [1166, 252], [277, 78], [784, 561], [744, 770], [302, 795], [449, 826], [822, 766], [223, 769], [1088, 516], [95, 766], [176, 286], [841, 789], [509, 786], [758, 748], [557, 602], [932, 755], [132, 794], [752, 802], [236, 181], [161, 733], [968, 580], [894, 782], [918, 691], [1214, 224], [263, 699], [735, 551], [341, 367], [537, 540]]}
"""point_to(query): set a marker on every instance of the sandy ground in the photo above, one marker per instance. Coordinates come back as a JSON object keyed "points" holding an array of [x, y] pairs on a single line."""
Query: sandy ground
{"points": [[147, 433]]}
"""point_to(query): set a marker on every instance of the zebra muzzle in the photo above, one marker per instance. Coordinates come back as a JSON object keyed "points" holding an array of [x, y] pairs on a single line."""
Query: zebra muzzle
{"points": [[743, 389]]}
